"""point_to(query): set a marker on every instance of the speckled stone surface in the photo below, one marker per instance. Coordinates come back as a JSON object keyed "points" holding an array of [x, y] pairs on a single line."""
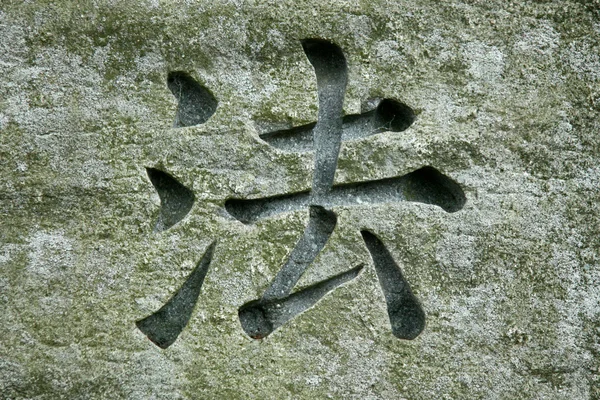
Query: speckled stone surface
{"points": [[507, 103]]}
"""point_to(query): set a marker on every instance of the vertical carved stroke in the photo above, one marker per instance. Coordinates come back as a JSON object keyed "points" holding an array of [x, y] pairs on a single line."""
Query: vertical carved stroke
{"points": [[330, 68], [261, 317]]}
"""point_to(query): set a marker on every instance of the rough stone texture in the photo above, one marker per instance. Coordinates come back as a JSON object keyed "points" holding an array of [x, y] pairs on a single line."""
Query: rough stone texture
{"points": [[507, 97]]}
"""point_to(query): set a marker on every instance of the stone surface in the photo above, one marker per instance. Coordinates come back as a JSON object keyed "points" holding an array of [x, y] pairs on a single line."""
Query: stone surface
{"points": [[507, 104]]}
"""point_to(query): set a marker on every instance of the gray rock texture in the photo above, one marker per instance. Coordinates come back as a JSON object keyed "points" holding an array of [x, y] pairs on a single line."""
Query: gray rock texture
{"points": [[95, 94]]}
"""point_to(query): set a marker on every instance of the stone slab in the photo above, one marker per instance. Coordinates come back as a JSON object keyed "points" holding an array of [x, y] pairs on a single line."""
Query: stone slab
{"points": [[506, 103]]}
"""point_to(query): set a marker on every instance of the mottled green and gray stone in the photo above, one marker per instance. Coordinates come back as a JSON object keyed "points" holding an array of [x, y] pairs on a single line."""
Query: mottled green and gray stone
{"points": [[507, 103]]}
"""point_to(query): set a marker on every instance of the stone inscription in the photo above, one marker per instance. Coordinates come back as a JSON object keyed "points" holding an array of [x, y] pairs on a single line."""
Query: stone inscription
{"points": [[279, 303]]}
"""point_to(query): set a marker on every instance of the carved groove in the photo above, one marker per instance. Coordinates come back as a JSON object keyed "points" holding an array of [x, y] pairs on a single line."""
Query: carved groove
{"points": [[330, 68], [320, 227], [404, 310], [277, 305], [176, 200], [390, 115], [196, 104], [260, 318], [426, 185], [164, 326]]}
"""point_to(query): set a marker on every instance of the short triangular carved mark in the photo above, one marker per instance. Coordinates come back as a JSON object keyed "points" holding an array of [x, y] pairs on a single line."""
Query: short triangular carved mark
{"points": [[425, 185], [176, 200], [404, 310], [164, 326], [196, 104]]}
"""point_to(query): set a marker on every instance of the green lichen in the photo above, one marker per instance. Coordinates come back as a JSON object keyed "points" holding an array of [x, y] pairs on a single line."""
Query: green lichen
{"points": [[80, 263]]}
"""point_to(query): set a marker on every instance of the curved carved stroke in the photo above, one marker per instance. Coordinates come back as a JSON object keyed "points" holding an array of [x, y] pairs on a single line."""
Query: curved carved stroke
{"points": [[164, 326]]}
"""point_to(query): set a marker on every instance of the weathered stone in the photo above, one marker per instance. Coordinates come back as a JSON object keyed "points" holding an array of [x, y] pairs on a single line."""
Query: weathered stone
{"points": [[496, 101]]}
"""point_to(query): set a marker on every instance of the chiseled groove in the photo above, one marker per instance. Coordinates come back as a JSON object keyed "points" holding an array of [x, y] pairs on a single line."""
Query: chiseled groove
{"points": [[390, 115], [331, 71], [196, 104], [425, 185], [296, 139], [176, 200], [404, 310], [164, 326], [260, 318], [320, 226]]}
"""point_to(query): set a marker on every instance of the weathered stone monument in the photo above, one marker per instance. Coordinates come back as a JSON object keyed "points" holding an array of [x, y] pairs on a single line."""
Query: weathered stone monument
{"points": [[299, 200]]}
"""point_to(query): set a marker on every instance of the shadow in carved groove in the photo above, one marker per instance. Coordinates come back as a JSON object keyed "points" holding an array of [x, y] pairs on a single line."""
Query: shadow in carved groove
{"points": [[426, 185], [175, 199], [406, 315], [389, 116], [331, 72], [320, 226], [164, 326], [261, 317], [196, 104]]}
